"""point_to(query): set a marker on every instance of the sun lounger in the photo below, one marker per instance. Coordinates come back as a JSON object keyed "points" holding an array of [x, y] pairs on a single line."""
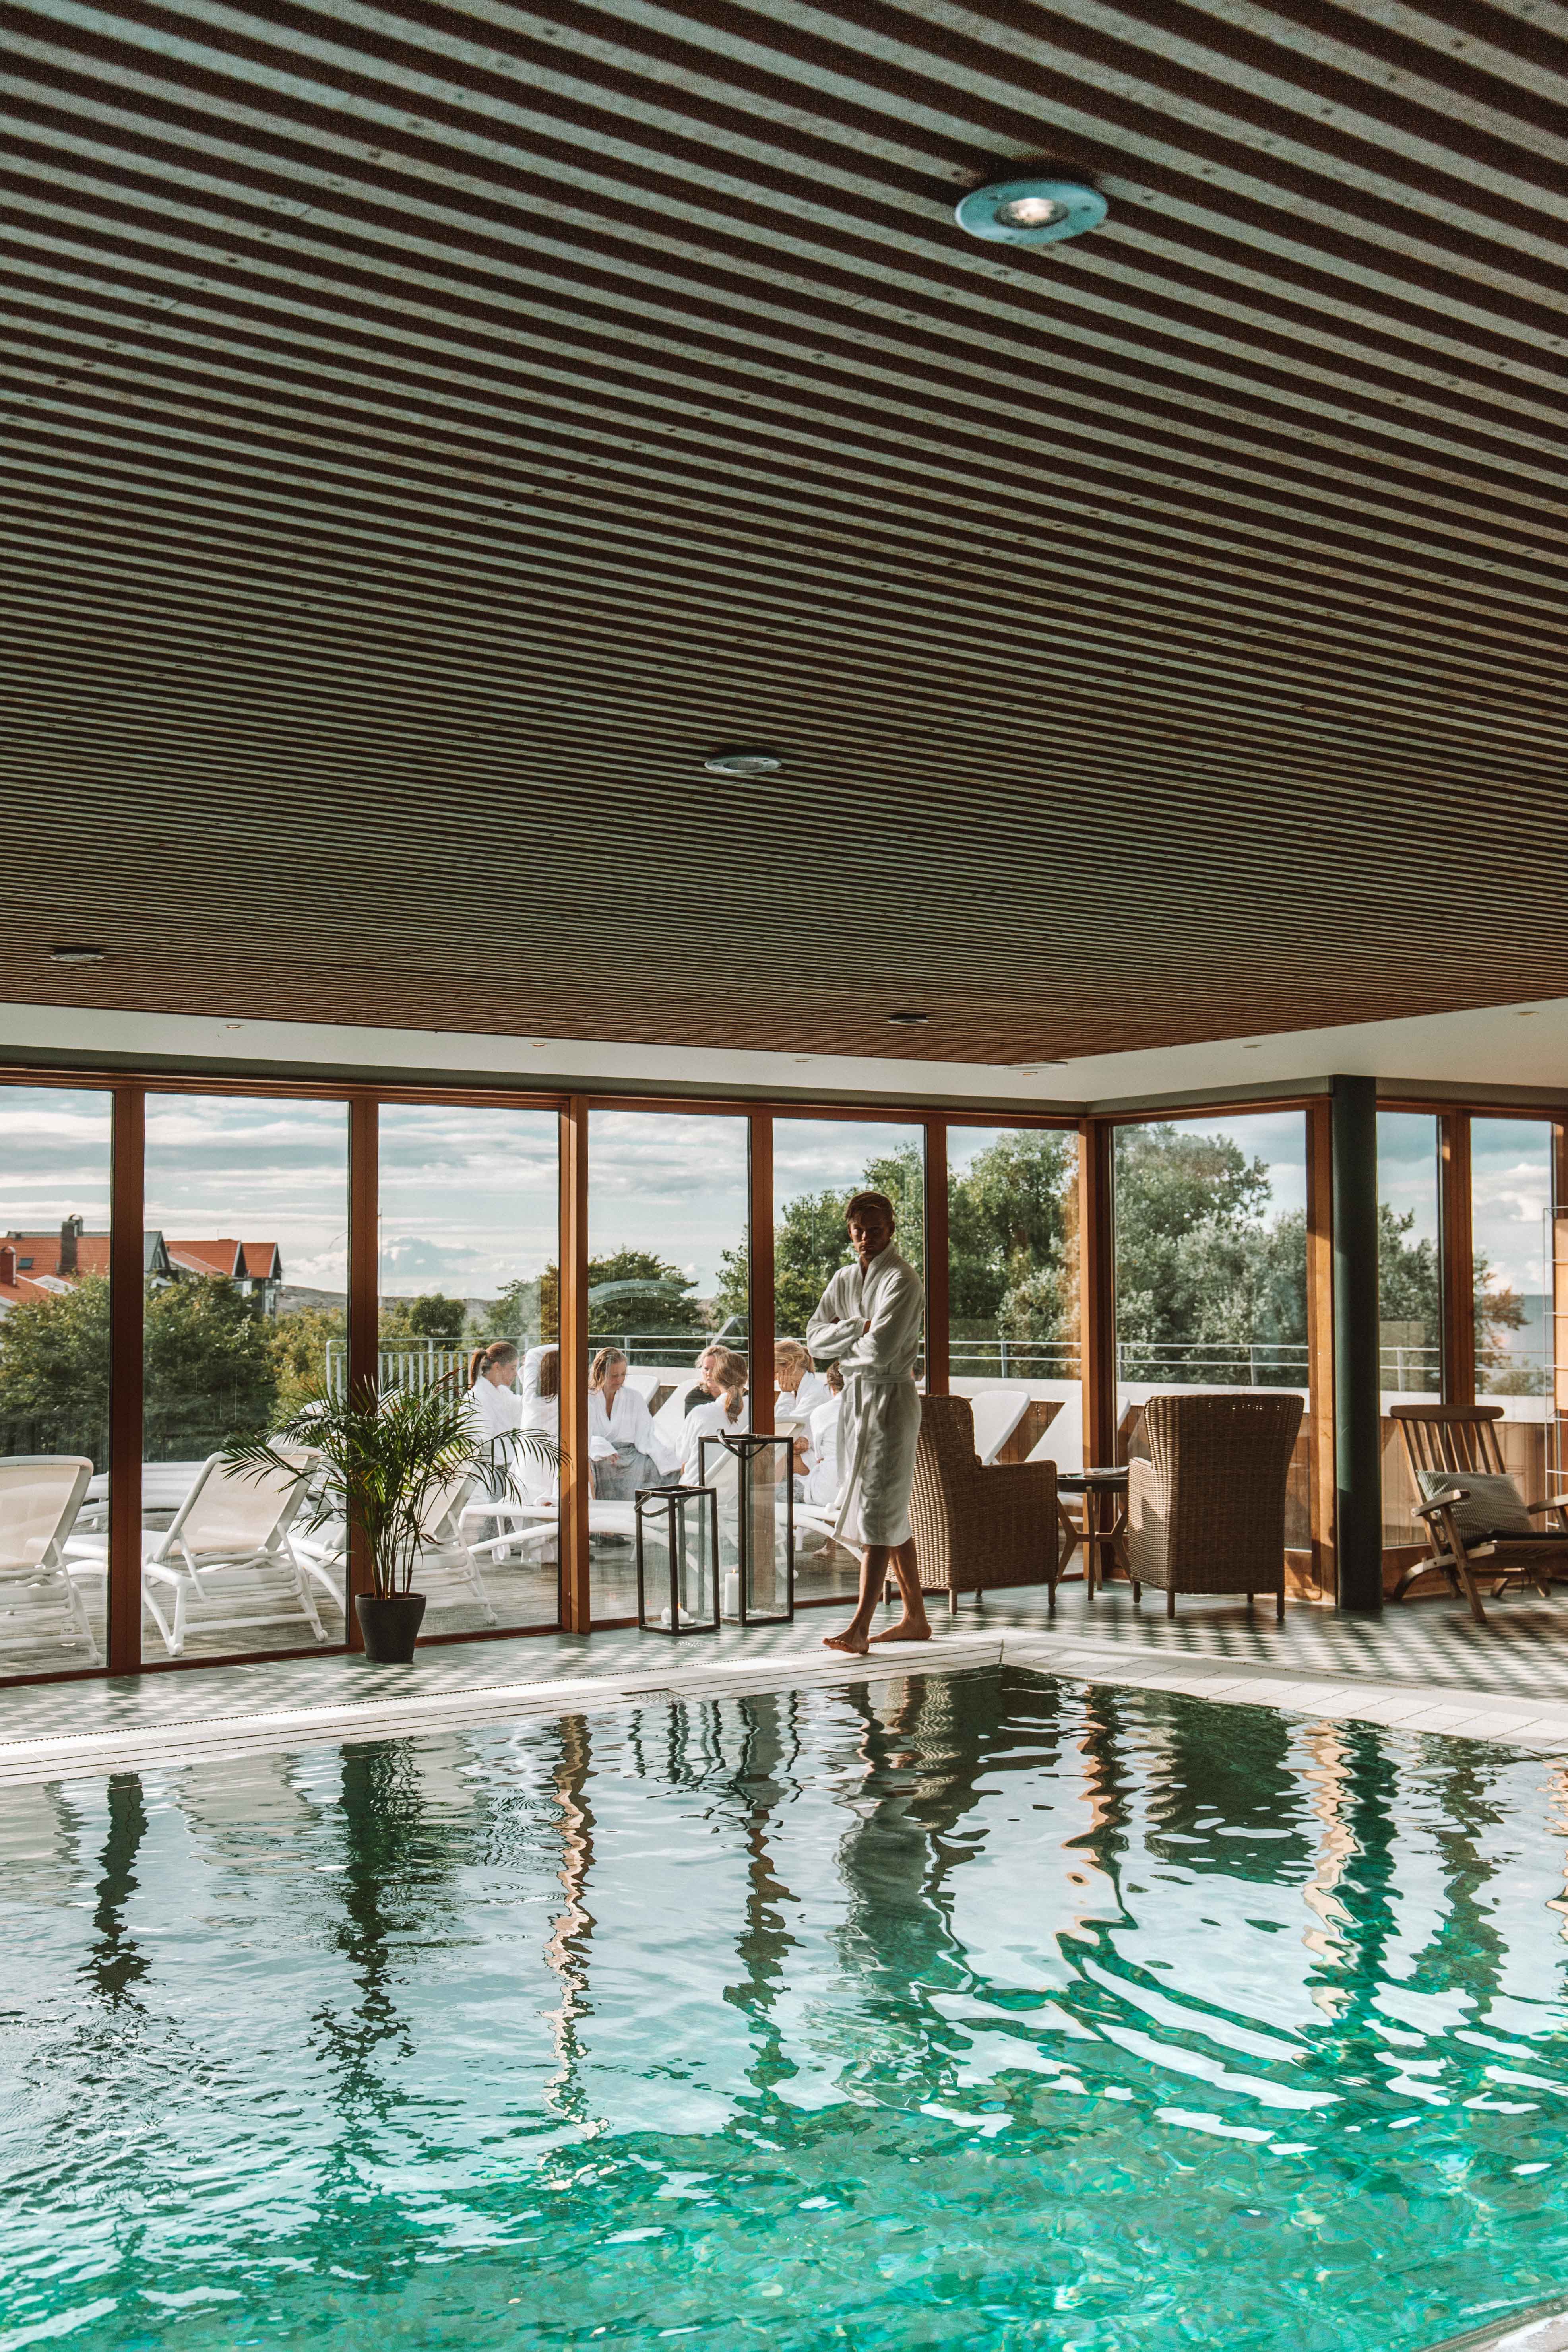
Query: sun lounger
{"points": [[231, 1530], [41, 1497]]}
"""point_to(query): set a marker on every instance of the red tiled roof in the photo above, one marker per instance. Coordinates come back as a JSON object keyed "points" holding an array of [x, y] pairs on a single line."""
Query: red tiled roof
{"points": [[260, 1259], [205, 1257]]}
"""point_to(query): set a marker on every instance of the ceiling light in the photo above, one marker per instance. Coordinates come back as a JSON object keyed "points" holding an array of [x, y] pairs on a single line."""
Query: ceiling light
{"points": [[76, 955], [1030, 212], [909, 1020], [743, 763], [1027, 1069]]}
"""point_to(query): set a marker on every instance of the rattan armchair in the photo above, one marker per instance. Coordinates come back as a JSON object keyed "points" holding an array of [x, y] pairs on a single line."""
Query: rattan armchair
{"points": [[1206, 1513], [978, 1528]]}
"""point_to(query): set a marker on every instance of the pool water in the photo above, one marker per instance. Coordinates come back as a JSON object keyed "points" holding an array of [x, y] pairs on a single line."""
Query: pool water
{"points": [[974, 2008]]}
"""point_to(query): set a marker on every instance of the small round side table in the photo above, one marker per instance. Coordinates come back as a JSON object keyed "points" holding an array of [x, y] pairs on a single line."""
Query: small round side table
{"points": [[1104, 1524]]}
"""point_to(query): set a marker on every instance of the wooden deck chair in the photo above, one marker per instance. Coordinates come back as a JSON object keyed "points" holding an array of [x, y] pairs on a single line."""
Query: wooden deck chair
{"points": [[1475, 1520], [41, 1497]]}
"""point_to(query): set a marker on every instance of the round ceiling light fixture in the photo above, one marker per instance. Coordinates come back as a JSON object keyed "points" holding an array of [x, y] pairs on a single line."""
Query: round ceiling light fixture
{"points": [[909, 1020], [70, 954], [752, 762], [1030, 212]]}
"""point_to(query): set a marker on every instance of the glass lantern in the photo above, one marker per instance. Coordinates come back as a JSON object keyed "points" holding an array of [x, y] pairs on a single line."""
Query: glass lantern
{"points": [[753, 1479], [678, 1560]]}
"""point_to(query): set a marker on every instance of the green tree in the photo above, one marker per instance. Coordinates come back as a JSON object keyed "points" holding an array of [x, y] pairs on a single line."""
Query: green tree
{"points": [[433, 1316], [209, 1369], [1013, 1237], [640, 1291], [812, 1242], [54, 1373], [1191, 1253], [302, 1344]]}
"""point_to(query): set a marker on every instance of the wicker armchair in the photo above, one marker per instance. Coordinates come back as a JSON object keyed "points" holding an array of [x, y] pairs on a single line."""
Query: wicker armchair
{"points": [[978, 1528], [1207, 1512]]}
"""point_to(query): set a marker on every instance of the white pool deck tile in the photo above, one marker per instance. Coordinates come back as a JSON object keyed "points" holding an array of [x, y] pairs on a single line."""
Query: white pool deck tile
{"points": [[1423, 1669]]}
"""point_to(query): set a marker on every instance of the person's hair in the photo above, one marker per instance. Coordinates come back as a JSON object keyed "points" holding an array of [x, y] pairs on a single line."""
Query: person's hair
{"points": [[601, 1365], [731, 1371], [793, 1352], [871, 1200], [835, 1379], [550, 1372], [485, 1360]]}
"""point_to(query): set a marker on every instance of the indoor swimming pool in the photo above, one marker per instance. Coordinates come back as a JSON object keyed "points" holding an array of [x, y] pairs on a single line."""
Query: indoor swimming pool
{"points": [[973, 2009]]}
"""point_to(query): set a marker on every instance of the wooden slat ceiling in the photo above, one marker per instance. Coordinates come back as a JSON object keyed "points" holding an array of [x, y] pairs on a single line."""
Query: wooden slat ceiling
{"points": [[431, 430]]}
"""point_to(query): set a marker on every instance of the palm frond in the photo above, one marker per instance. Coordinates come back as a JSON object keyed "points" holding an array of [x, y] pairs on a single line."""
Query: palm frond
{"points": [[387, 1456]]}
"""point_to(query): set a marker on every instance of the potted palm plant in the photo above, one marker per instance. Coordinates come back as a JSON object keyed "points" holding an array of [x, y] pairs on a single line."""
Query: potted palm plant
{"points": [[395, 1460]]}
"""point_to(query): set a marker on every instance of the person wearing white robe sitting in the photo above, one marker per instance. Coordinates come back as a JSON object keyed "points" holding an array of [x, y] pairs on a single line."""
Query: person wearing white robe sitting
{"points": [[718, 1415], [868, 1323], [541, 1400], [819, 1483], [799, 1392], [623, 1447]]}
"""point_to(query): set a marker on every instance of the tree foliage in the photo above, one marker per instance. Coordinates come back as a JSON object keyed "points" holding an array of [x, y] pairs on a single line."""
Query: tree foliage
{"points": [[431, 1316]]}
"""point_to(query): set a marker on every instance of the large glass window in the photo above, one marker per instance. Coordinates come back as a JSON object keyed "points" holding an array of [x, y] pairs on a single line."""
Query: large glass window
{"points": [[1510, 1201], [818, 1165], [1211, 1269], [668, 1275], [246, 1267], [1409, 1295], [55, 1154], [469, 1242], [1013, 1285]]}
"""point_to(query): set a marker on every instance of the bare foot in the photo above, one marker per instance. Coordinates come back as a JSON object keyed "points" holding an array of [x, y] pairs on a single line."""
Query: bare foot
{"points": [[905, 1630], [855, 1644]]}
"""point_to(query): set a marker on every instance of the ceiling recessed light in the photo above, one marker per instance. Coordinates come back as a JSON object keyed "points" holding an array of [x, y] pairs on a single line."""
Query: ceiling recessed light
{"points": [[1027, 1069], [909, 1020], [1528, 1014], [76, 955], [754, 762], [1252, 1049], [1030, 212]]}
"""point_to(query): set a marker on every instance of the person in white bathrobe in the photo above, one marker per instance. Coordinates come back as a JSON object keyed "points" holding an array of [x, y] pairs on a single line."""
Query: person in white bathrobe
{"points": [[868, 1323]]}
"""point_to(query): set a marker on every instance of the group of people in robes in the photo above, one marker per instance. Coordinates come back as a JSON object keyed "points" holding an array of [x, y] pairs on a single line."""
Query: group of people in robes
{"points": [[855, 1424]]}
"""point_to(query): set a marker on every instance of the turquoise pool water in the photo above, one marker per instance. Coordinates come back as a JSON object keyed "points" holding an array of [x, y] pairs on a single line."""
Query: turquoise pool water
{"points": [[969, 2010]]}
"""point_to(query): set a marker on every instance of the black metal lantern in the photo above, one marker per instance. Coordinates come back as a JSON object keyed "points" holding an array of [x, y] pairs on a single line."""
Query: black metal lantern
{"points": [[678, 1560], [752, 1478]]}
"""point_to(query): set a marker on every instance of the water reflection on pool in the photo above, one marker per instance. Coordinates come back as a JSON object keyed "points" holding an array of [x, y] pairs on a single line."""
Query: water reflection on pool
{"points": [[959, 2009]]}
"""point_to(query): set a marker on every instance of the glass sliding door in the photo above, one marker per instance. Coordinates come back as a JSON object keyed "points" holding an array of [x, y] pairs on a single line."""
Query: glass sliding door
{"points": [[1211, 1269], [1511, 1240], [470, 1256], [1012, 1282], [1409, 1295], [54, 1163], [669, 1278], [246, 1269], [818, 1165]]}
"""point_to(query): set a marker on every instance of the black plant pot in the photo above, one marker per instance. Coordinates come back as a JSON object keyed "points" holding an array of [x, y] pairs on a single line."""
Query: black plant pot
{"points": [[390, 1623]]}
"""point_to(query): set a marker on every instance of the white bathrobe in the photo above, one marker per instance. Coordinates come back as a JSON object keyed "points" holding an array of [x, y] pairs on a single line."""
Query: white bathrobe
{"points": [[879, 1424]]}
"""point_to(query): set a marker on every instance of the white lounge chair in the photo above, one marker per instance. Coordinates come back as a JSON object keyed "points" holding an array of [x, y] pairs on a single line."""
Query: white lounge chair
{"points": [[41, 1497], [230, 1525], [998, 1412], [444, 1557]]}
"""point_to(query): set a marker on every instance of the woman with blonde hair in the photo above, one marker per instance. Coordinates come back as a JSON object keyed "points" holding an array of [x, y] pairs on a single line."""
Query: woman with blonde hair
{"points": [[623, 1444], [717, 1415]]}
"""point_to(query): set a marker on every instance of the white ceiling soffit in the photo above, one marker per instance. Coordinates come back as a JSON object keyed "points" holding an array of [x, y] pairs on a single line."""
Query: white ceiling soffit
{"points": [[1499, 1046]]}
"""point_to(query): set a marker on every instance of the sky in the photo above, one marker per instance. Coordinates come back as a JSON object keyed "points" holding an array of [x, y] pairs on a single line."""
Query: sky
{"points": [[469, 1194]]}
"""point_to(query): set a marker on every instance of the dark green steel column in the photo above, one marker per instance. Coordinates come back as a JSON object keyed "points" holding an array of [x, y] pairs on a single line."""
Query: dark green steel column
{"points": [[1358, 1465]]}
